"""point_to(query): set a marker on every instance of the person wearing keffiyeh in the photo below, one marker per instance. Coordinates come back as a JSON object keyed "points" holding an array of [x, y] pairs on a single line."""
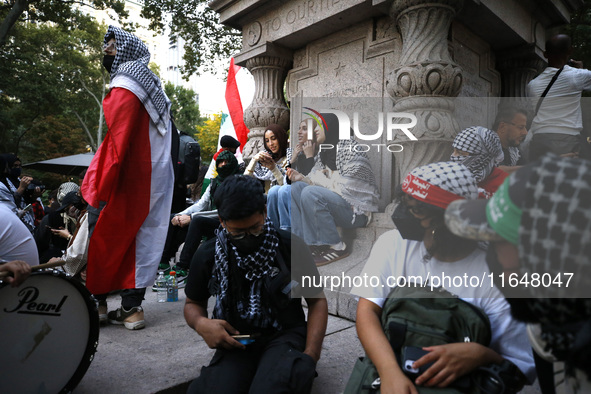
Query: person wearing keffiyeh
{"points": [[420, 248], [539, 226], [270, 164], [479, 149], [255, 273], [340, 190], [129, 183]]}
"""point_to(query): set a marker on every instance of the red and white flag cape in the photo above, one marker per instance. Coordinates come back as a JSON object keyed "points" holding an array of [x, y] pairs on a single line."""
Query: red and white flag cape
{"points": [[130, 181]]}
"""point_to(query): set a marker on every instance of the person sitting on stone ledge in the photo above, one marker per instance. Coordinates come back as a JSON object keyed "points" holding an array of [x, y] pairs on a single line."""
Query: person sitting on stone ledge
{"points": [[339, 191], [279, 196], [257, 275], [270, 164], [423, 247]]}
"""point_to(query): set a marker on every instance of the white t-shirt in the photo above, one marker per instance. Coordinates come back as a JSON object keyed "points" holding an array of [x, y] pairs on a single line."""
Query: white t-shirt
{"points": [[394, 257], [16, 241], [560, 111]]}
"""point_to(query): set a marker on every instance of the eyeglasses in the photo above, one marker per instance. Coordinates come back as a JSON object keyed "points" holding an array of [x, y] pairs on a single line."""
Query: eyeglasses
{"points": [[110, 46], [520, 127], [255, 230]]}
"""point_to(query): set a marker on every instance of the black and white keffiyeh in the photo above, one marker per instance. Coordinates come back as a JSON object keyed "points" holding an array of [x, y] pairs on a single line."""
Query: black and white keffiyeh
{"points": [[514, 155], [453, 177], [130, 71], [484, 147], [264, 174], [554, 242], [359, 186], [251, 305]]}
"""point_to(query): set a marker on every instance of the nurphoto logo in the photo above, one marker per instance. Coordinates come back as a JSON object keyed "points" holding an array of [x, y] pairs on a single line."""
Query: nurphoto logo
{"points": [[394, 123]]}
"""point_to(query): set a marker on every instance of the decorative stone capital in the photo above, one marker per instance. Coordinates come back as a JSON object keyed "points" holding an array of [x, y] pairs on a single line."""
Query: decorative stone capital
{"points": [[425, 80], [268, 105]]}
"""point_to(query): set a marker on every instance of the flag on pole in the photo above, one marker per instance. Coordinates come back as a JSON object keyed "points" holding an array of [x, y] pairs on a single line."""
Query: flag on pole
{"points": [[233, 123]]}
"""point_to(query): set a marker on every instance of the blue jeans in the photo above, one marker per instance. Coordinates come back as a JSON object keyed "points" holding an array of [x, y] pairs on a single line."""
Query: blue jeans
{"points": [[279, 206], [316, 212]]}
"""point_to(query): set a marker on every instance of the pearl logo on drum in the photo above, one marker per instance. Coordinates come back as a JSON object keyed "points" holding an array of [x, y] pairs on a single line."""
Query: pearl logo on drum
{"points": [[27, 304]]}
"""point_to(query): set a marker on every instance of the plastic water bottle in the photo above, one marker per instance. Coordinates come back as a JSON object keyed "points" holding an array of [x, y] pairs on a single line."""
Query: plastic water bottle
{"points": [[161, 286], [172, 288]]}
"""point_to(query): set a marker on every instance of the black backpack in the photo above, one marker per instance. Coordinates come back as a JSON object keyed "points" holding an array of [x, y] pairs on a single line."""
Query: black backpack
{"points": [[189, 159], [415, 317]]}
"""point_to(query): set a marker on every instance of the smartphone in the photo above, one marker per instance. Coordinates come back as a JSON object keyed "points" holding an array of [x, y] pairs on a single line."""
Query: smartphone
{"points": [[245, 339], [410, 354]]}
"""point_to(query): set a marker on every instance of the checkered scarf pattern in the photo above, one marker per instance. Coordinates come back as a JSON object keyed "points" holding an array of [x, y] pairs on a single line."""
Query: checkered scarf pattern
{"points": [[255, 308], [555, 232], [131, 61], [263, 173], [360, 187], [453, 177], [66, 188], [484, 147], [555, 238], [514, 155]]}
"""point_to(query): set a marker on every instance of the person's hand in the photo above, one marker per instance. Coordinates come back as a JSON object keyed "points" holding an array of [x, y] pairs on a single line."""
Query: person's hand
{"points": [[267, 161], [397, 384], [294, 175], [296, 150], [54, 259], [61, 232], [19, 269], [575, 63], [25, 181], [181, 220], [309, 147], [217, 334], [451, 361]]}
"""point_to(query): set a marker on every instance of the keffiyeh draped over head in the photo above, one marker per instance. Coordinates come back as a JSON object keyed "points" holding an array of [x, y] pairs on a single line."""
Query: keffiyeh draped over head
{"points": [[131, 61], [441, 183], [484, 147], [251, 304]]}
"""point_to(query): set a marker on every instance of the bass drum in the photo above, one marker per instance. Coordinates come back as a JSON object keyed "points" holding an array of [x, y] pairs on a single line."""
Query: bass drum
{"points": [[49, 332]]}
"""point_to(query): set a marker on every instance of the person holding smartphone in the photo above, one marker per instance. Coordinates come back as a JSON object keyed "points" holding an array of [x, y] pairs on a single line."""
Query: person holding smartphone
{"points": [[258, 327]]}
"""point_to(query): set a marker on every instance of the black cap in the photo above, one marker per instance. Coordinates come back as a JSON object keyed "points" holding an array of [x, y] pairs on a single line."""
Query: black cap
{"points": [[229, 142], [72, 198]]}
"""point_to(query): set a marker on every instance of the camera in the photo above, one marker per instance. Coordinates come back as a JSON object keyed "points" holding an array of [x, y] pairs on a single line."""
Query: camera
{"points": [[504, 378], [33, 185]]}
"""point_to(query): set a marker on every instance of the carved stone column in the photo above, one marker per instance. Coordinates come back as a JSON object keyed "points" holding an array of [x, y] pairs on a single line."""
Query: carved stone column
{"points": [[268, 105], [425, 80]]}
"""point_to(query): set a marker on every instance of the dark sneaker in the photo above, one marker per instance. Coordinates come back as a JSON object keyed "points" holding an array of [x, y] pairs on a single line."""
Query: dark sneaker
{"points": [[327, 255], [133, 319]]}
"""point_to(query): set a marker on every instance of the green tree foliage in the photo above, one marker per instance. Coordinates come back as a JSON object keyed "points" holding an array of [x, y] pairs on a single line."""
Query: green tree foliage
{"points": [[64, 13], [50, 72], [184, 109], [580, 31], [206, 40], [208, 135]]}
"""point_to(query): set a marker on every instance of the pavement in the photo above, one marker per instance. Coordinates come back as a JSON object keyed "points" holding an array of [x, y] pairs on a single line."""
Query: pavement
{"points": [[167, 355]]}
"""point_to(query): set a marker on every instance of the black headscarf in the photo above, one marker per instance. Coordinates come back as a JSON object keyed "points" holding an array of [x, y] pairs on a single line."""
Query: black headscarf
{"points": [[230, 168], [331, 132], [7, 160]]}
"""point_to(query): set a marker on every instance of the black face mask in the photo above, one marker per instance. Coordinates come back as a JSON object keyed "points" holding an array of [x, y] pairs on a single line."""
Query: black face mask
{"points": [[15, 172], [108, 61], [249, 244], [409, 226]]}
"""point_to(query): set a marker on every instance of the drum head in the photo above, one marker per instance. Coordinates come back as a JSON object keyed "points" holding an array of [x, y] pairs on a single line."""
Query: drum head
{"points": [[48, 334]]}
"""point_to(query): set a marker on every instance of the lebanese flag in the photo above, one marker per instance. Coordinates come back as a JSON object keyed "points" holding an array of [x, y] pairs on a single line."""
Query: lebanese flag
{"points": [[130, 182], [234, 126]]}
